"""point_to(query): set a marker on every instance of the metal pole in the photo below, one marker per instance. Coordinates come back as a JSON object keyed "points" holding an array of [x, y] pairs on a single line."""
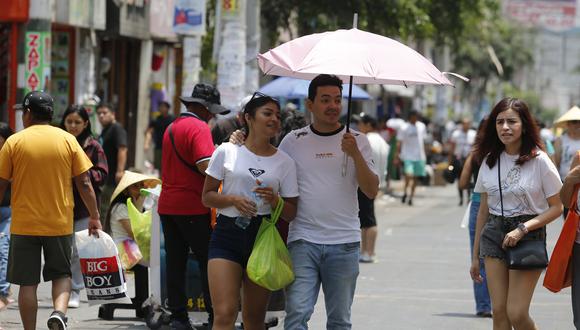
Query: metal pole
{"points": [[349, 112]]}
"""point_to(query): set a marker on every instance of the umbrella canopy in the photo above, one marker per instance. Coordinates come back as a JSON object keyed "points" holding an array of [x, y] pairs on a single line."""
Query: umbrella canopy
{"points": [[572, 114], [367, 57], [292, 88]]}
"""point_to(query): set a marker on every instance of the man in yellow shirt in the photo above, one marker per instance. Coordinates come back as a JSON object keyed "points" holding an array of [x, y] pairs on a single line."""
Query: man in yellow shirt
{"points": [[42, 162]]}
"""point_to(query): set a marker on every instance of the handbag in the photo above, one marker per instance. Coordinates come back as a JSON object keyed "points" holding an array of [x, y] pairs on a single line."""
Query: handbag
{"points": [[527, 254], [559, 271]]}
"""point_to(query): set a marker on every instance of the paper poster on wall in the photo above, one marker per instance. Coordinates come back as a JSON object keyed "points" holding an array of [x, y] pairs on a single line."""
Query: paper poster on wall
{"points": [[189, 17]]}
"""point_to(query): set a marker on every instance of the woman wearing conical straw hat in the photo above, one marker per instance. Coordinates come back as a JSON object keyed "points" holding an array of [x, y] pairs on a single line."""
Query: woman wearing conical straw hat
{"points": [[117, 221], [568, 144]]}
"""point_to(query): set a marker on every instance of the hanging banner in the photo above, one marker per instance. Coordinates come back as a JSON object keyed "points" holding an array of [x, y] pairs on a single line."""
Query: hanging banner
{"points": [[189, 17], [37, 61], [553, 15]]}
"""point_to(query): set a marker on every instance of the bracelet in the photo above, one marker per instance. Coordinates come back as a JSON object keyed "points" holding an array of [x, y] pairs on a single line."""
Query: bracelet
{"points": [[523, 228]]}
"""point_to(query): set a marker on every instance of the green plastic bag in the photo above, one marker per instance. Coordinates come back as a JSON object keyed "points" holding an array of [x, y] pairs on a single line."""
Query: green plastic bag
{"points": [[270, 265], [141, 226]]}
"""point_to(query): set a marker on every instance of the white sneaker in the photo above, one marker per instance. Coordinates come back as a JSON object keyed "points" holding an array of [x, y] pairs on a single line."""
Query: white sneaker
{"points": [[75, 299], [368, 259]]}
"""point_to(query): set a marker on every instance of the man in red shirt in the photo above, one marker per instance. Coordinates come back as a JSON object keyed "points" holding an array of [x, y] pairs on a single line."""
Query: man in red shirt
{"points": [[187, 148]]}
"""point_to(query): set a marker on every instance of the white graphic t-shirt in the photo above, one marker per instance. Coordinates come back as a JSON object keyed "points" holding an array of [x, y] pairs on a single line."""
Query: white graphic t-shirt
{"points": [[412, 139], [239, 169], [463, 142], [328, 205], [525, 188]]}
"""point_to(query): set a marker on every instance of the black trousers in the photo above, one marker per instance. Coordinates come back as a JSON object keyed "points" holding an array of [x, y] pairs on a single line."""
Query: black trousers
{"points": [[184, 232]]}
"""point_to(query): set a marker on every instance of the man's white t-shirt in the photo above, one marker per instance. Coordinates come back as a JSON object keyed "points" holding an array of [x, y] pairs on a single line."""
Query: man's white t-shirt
{"points": [[412, 139], [463, 142], [239, 169], [328, 205], [525, 188], [380, 150]]}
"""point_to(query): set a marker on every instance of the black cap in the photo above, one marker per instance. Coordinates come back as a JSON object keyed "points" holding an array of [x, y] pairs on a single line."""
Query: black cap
{"points": [[208, 96], [38, 102]]}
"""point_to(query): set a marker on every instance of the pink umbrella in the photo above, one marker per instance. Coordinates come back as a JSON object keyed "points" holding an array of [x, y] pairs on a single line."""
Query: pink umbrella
{"points": [[367, 57], [362, 57]]}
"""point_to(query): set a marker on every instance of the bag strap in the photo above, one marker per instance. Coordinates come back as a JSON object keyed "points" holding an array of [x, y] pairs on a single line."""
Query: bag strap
{"points": [[188, 165], [278, 211], [499, 183]]}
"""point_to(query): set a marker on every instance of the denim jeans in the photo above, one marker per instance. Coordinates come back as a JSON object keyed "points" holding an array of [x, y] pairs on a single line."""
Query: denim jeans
{"points": [[336, 268], [5, 218], [77, 282], [482, 300]]}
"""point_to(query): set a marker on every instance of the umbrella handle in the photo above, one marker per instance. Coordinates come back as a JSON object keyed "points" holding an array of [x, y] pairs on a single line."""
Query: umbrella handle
{"points": [[344, 165]]}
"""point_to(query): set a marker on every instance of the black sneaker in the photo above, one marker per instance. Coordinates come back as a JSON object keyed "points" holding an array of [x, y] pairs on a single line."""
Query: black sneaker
{"points": [[410, 202], [57, 321], [181, 324], [404, 198]]}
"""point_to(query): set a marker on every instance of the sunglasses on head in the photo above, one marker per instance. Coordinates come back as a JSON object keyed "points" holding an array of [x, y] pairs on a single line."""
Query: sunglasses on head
{"points": [[258, 95]]}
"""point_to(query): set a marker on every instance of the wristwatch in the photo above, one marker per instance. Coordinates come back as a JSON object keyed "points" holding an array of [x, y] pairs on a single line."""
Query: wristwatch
{"points": [[523, 228]]}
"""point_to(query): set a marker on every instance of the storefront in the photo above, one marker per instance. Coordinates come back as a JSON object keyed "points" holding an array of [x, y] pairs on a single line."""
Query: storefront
{"points": [[12, 15]]}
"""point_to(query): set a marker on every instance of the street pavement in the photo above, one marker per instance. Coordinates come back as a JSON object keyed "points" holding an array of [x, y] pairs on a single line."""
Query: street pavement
{"points": [[421, 279]]}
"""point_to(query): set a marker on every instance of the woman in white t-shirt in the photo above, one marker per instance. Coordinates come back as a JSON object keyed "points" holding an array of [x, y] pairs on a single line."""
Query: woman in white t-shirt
{"points": [[528, 200], [253, 177]]}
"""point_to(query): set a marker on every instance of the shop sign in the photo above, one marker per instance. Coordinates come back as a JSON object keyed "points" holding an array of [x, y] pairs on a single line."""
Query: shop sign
{"points": [[189, 17], [37, 61], [553, 15], [134, 19], [162, 18]]}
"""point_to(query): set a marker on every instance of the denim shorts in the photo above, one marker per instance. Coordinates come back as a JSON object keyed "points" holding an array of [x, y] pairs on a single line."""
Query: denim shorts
{"points": [[497, 227], [230, 242]]}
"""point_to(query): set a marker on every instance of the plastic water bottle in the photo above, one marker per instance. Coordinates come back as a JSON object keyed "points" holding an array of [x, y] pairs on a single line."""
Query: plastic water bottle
{"points": [[242, 221]]}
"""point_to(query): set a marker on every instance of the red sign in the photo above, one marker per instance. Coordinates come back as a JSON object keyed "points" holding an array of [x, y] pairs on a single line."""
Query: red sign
{"points": [[14, 11]]}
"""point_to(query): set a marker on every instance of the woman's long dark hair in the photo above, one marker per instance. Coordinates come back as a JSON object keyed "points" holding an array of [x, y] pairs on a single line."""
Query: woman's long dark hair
{"points": [[82, 112], [490, 145]]}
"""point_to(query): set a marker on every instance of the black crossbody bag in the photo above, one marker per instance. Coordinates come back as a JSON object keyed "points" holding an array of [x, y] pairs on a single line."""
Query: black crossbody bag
{"points": [[527, 254]]}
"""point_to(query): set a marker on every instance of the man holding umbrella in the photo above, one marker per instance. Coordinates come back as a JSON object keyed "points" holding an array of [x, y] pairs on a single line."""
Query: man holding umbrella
{"points": [[324, 238]]}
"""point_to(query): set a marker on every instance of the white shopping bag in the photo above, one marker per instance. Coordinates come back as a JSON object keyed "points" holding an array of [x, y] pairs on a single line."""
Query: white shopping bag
{"points": [[465, 220], [101, 268]]}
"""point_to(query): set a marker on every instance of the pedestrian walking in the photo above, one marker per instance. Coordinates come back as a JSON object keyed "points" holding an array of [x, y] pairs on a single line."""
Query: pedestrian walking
{"points": [[156, 130], [5, 219], [254, 176], [40, 162], [75, 120], [411, 154], [460, 144], [568, 144], [368, 222], [324, 237], [187, 148], [519, 188], [114, 141], [467, 181]]}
